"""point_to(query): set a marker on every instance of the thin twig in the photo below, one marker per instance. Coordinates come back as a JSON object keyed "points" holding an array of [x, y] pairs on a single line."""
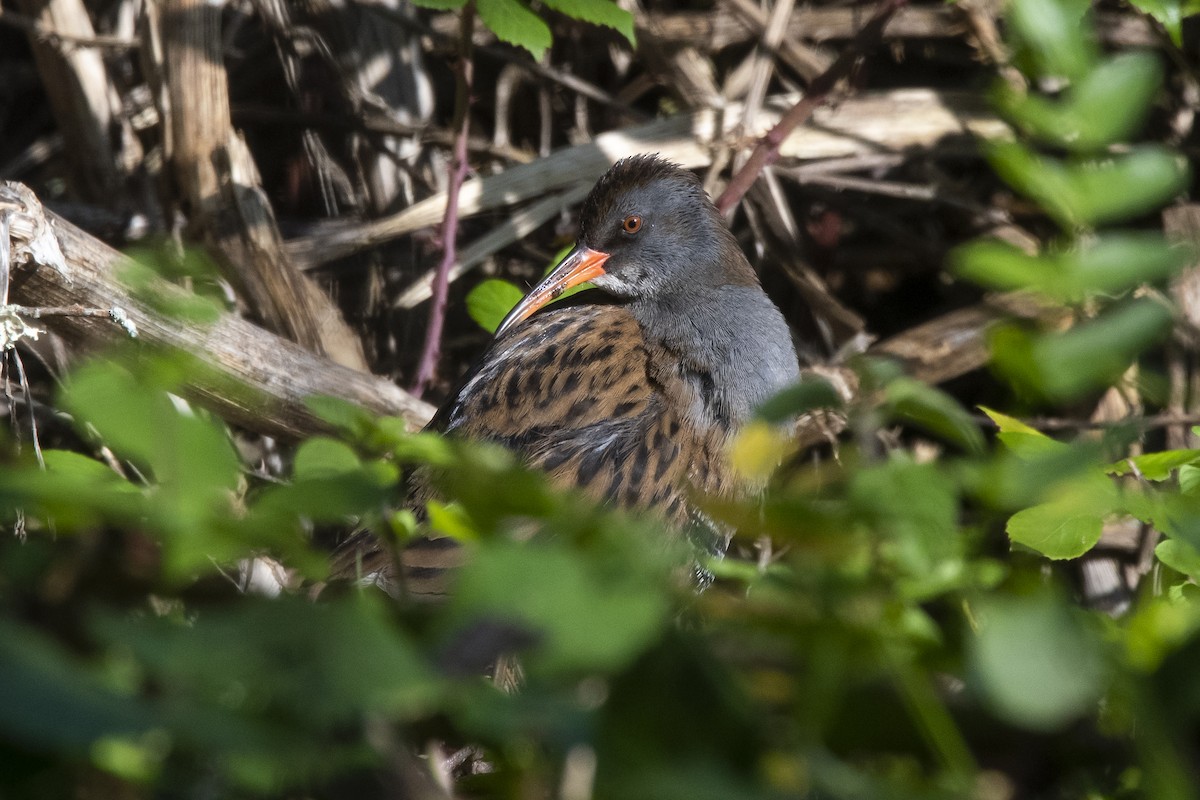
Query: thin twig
{"points": [[902, 191], [61, 41], [37, 312], [1068, 424], [5, 256], [767, 150], [116, 314], [10, 400], [458, 174], [23, 379]]}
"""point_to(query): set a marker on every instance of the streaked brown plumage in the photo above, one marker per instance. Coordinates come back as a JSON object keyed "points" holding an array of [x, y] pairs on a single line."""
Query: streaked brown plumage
{"points": [[632, 395]]}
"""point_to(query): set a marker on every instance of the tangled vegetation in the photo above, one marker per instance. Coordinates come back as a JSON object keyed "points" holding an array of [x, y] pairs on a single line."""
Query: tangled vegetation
{"points": [[906, 611]]}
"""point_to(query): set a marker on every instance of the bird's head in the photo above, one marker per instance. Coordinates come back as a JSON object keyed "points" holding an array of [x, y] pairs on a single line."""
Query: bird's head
{"points": [[646, 230]]}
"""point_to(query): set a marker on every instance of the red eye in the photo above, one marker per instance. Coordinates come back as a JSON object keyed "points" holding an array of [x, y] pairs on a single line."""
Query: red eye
{"points": [[632, 224]]}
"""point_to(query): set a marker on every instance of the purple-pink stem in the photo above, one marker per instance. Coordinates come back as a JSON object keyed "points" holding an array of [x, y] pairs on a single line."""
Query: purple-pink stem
{"points": [[464, 70], [767, 150]]}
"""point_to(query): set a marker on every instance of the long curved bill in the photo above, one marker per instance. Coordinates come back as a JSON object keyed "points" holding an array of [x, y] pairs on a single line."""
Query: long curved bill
{"points": [[581, 265]]}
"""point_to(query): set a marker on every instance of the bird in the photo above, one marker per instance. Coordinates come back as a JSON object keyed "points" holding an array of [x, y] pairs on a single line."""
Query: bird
{"points": [[633, 391]]}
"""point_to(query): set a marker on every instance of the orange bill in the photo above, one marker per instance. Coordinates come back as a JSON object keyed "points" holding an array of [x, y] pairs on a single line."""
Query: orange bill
{"points": [[581, 265]]}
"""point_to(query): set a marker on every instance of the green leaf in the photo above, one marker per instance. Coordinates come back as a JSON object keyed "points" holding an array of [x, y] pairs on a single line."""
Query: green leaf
{"points": [[1000, 265], [1007, 424], [1110, 264], [74, 492], [188, 454], [449, 519], [1093, 354], [292, 674], [1056, 530], [72, 466], [597, 12], [1117, 262], [1027, 472], [1159, 626], [52, 701], [135, 759], [1179, 556], [171, 301], [1050, 39], [1098, 351], [935, 411], [1175, 514], [1189, 479], [1022, 440], [914, 510], [1170, 13], [810, 393], [1083, 119], [1155, 466], [1092, 191], [322, 457], [425, 447], [326, 495], [440, 5], [490, 301], [1035, 662], [343, 415], [514, 23], [354, 660], [586, 613], [1070, 521]]}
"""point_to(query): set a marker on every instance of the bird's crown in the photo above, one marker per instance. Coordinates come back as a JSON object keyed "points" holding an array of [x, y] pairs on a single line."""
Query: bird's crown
{"points": [[632, 174]]}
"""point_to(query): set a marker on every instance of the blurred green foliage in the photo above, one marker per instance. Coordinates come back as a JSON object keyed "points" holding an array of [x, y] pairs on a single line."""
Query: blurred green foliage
{"points": [[909, 631], [514, 22], [1170, 14]]}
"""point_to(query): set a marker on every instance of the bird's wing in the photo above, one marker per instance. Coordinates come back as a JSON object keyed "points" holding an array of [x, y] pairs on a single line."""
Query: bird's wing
{"points": [[564, 367], [572, 390]]}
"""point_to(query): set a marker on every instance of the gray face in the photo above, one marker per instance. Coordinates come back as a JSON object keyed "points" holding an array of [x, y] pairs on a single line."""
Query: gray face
{"points": [[653, 235], [658, 227]]}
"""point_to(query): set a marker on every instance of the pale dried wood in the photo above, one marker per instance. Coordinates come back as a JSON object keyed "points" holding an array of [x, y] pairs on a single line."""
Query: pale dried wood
{"points": [[1182, 225], [956, 342], [936, 351], [722, 28], [691, 74], [886, 122], [243, 373], [216, 173], [101, 147], [808, 61]]}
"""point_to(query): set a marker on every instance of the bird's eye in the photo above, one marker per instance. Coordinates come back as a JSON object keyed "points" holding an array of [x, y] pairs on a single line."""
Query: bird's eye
{"points": [[631, 224]]}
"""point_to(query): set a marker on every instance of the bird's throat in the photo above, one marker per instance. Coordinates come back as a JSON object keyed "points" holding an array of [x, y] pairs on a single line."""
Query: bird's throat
{"points": [[729, 343]]}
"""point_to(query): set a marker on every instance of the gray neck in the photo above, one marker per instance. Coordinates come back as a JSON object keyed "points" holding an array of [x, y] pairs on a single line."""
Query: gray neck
{"points": [[731, 343]]}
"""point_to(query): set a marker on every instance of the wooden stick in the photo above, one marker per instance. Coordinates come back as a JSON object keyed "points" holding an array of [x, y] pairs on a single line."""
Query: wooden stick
{"points": [[896, 121], [464, 77], [219, 180], [242, 373], [101, 146]]}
